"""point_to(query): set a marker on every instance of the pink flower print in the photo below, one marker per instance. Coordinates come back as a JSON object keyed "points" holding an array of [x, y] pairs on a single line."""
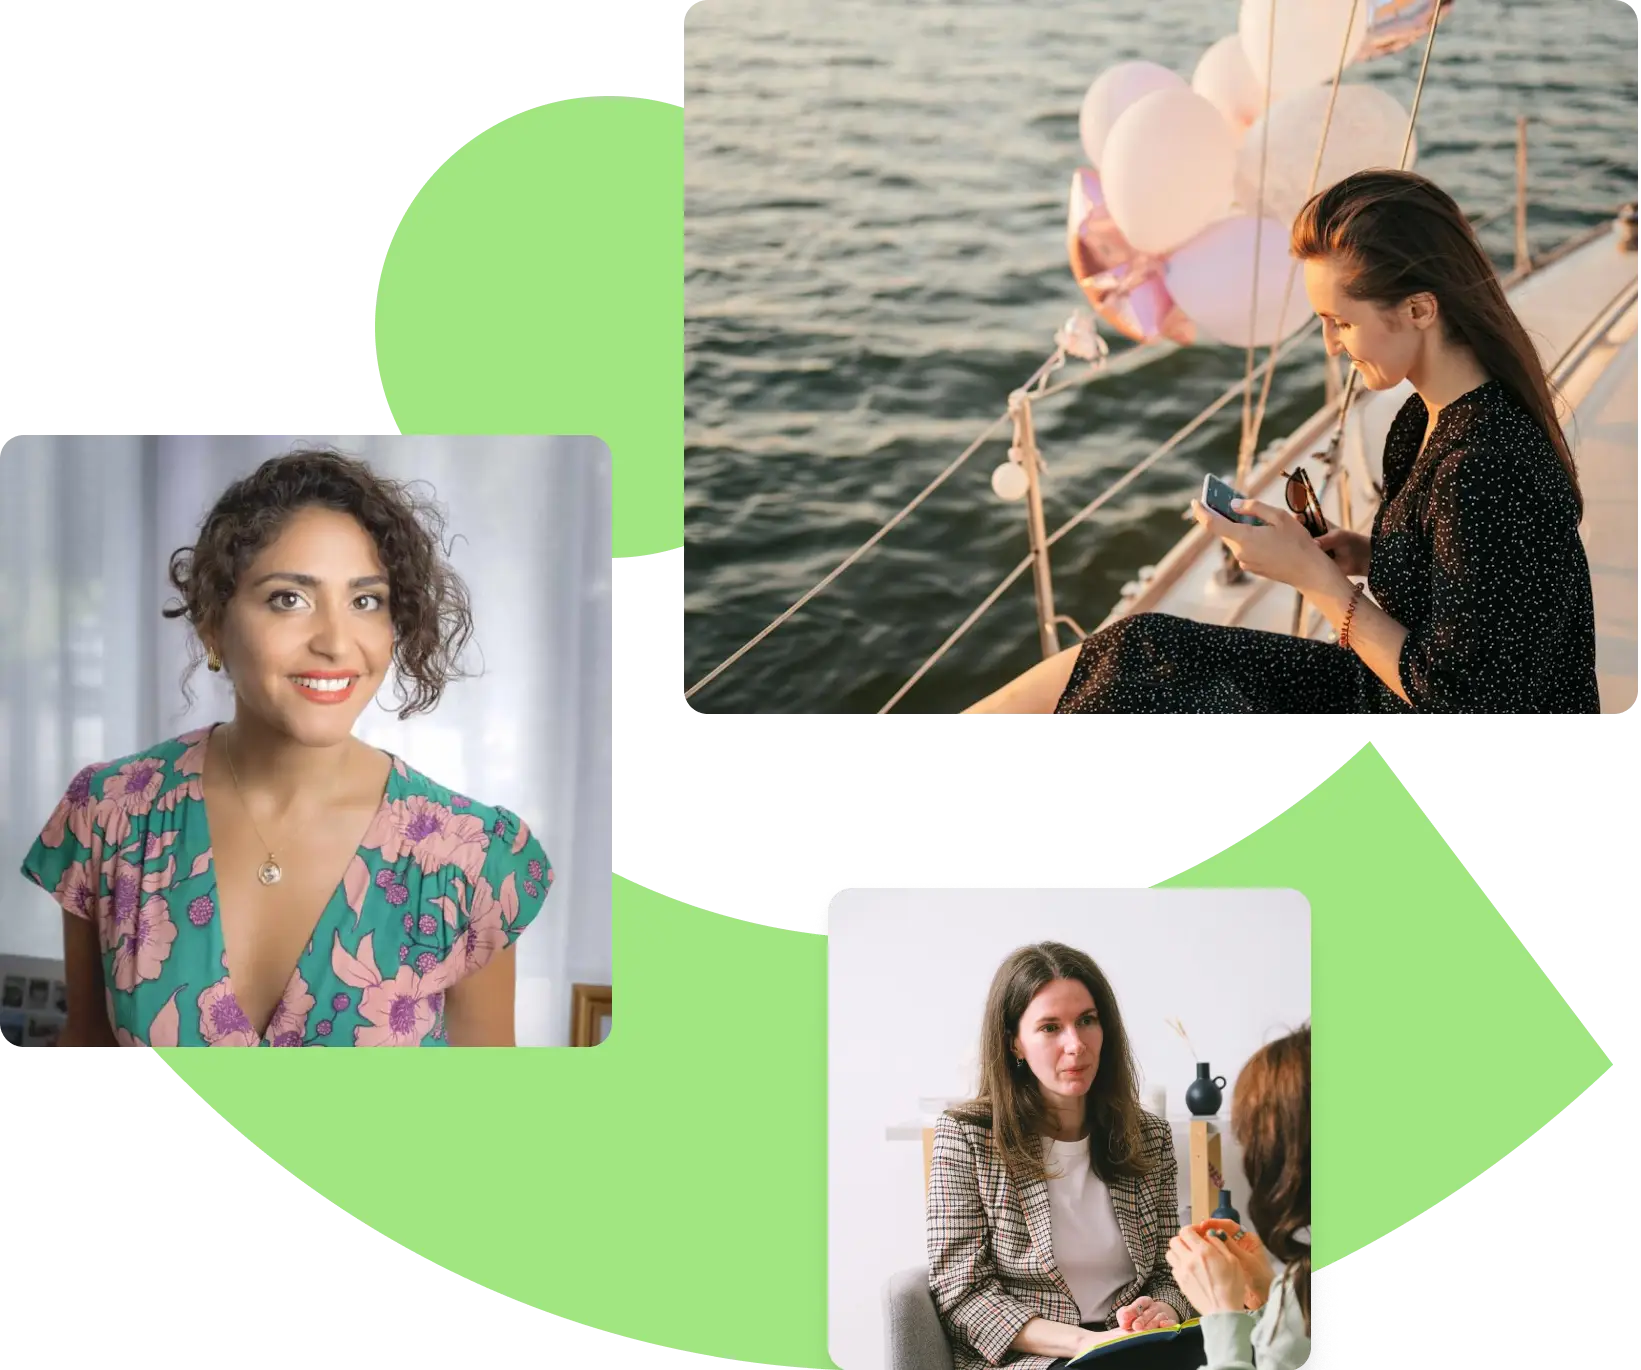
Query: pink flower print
{"points": [[535, 869], [404, 953], [428, 924], [531, 889], [118, 909], [384, 878], [323, 1029], [410, 922], [74, 813], [133, 787], [162, 1031], [425, 962], [200, 910], [202, 863], [192, 760], [77, 891], [222, 1022], [521, 837], [484, 934], [181, 794], [397, 894], [460, 801], [436, 837], [339, 1002], [290, 1015], [144, 947], [287, 1039], [399, 1012]]}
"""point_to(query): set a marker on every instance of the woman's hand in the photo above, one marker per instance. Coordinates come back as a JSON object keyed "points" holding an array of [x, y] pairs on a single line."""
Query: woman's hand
{"points": [[1207, 1274], [1250, 1253], [1281, 550], [1145, 1313], [1350, 550]]}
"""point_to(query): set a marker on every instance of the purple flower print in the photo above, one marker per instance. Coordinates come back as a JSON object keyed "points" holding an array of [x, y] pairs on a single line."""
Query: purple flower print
{"points": [[500, 828], [460, 801], [531, 888], [340, 1002], [436, 1002], [288, 1039], [323, 1026], [397, 894], [79, 788], [222, 1023], [410, 922], [425, 962], [200, 911], [428, 924], [535, 869], [404, 952], [384, 878]]}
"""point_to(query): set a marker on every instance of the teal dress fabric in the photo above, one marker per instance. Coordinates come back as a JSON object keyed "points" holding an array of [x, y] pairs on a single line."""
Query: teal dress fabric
{"points": [[439, 885]]}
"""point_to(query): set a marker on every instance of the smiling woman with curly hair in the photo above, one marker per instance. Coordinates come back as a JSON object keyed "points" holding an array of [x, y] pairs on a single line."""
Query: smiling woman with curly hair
{"points": [[273, 880]]}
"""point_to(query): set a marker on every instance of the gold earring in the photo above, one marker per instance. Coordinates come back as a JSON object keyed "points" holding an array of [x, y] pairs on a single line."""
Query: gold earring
{"points": [[212, 661]]}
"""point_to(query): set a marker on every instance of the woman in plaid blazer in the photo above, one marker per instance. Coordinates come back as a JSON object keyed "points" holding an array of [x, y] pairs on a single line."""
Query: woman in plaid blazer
{"points": [[1057, 1083]]}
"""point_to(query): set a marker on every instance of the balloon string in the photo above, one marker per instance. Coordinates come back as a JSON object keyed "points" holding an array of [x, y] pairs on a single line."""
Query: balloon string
{"points": [[1293, 266], [1407, 145], [1242, 456]]}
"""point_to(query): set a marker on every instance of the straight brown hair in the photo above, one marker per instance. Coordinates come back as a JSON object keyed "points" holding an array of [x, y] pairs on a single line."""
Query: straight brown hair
{"points": [[1398, 234], [1010, 1101]]}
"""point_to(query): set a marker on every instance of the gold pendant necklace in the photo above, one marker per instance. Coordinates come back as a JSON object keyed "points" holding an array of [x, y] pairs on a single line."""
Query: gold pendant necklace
{"points": [[268, 872]]}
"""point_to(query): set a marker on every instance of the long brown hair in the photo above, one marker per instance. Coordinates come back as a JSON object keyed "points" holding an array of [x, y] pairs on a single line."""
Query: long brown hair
{"points": [[1398, 234], [1010, 1100], [1271, 1117]]}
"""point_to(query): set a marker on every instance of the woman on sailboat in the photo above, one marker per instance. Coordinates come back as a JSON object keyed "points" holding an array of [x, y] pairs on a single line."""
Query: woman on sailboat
{"points": [[1477, 595]]}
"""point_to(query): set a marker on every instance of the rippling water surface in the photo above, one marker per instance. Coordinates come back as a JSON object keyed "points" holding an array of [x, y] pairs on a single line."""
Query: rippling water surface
{"points": [[874, 258]]}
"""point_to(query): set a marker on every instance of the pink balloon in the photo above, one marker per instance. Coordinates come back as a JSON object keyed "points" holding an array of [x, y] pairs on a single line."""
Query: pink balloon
{"points": [[1125, 287], [1393, 24]]}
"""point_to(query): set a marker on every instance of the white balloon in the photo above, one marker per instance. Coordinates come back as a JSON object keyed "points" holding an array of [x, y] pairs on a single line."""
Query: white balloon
{"points": [[1367, 130], [1225, 80], [1211, 279], [1113, 91], [1308, 38], [1008, 481], [1170, 166]]}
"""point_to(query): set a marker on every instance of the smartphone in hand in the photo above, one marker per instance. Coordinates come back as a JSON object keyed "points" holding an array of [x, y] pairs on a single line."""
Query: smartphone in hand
{"points": [[1217, 495]]}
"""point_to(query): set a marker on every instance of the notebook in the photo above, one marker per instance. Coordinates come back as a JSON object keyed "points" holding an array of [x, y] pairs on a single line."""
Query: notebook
{"points": [[1127, 1339]]}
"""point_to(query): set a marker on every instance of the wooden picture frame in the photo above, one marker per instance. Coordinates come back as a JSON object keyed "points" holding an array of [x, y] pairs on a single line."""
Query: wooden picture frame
{"points": [[592, 1014]]}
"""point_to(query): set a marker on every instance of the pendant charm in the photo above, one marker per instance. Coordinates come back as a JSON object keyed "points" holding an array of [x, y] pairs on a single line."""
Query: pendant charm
{"points": [[268, 872]]}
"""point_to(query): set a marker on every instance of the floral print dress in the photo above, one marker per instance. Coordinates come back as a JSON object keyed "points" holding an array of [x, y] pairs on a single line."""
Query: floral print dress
{"points": [[439, 884]]}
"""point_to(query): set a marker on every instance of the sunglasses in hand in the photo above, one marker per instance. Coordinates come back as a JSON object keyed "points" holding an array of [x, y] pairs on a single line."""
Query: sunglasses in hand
{"points": [[1302, 499]]}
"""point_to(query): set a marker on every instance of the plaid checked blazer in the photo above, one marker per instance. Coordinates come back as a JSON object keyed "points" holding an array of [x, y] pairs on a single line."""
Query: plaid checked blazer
{"points": [[991, 1242]]}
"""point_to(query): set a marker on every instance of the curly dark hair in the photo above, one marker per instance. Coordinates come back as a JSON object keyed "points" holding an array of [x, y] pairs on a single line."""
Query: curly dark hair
{"points": [[428, 601]]}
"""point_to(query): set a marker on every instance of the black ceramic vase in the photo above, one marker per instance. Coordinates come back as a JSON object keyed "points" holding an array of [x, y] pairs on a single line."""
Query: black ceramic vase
{"points": [[1202, 1095], [1225, 1210]]}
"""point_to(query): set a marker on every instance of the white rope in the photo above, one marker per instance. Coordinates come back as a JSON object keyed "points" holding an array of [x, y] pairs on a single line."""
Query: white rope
{"points": [[1126, 361], [1089, 509]]}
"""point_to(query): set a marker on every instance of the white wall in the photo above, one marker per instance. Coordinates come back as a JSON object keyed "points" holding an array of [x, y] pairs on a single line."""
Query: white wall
{"points": [[909, 971]]}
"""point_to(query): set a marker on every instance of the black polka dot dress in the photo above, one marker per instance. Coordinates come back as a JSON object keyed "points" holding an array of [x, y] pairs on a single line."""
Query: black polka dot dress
{"points": [[1475, 551]]}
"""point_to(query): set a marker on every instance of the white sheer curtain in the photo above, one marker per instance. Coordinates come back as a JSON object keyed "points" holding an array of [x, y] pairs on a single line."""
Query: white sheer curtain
{"points": [[89, 669]]}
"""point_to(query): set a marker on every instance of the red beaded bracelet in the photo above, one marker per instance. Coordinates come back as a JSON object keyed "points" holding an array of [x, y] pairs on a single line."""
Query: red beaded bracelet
{"points": [[1350, 612]]}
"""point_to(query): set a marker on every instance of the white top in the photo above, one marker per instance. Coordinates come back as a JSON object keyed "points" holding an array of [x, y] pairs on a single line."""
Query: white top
{"points": [[1088, 1245]]}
